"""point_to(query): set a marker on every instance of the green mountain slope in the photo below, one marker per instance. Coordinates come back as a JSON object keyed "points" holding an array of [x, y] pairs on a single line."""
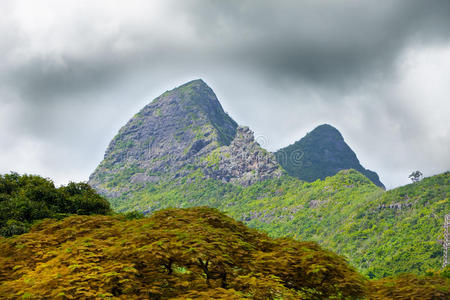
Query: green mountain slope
{"points": [[381, 232], [321, 153]]}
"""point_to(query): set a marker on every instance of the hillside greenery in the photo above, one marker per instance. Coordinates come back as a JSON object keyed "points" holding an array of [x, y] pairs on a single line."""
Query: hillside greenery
{"points": [[25, 199], [381, 233], [195, 253]]}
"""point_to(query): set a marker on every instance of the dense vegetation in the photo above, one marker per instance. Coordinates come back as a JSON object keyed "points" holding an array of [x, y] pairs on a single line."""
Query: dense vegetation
{"points": [[381, 233], [408, 286], [179, 254], [25, 199], [173, 253], [203, 254]]}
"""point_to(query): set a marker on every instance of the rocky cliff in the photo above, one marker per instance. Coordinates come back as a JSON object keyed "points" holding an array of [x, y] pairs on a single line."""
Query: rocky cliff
{"points": [[243, 161], [321, 153], [179, 132]]}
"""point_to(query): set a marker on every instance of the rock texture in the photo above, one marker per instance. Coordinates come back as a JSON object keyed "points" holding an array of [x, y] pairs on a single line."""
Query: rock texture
{"points": [[321, 153], [243, 161], [181, 131]]}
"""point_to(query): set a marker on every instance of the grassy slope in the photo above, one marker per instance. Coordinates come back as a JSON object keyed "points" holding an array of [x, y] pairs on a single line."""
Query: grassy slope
{"points": [[345, 213]]}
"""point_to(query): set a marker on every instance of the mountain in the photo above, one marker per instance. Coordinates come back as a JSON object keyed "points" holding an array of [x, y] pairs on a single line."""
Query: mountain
{"points": [[181, 131], [183, 151], [321, 153]]}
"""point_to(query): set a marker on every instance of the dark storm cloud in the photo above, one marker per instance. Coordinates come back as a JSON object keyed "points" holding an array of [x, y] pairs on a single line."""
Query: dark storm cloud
{"points": [[329, 43], [45, 78], [71, 74], [324, 42]]}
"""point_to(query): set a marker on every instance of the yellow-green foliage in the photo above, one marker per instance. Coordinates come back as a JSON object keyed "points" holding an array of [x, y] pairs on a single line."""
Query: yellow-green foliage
{"points": [[408, 286], [175, 253], [213, 158]]}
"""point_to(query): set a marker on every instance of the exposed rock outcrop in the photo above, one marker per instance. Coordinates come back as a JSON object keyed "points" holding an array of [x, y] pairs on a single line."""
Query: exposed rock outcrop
{"points": [[243, 161]]}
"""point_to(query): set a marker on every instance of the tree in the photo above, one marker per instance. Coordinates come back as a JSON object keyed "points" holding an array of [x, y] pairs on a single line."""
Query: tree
{"points": [[25, 199], [415, 176], [195, 253], [410, 286]]}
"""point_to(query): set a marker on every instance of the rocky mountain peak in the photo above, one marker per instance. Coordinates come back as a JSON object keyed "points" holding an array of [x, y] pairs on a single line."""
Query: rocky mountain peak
{"points": [[322, 152], [197, 95], [171, 137]]}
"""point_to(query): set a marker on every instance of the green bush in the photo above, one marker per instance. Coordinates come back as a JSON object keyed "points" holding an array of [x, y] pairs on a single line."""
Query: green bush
{"points": [[27, 198]]}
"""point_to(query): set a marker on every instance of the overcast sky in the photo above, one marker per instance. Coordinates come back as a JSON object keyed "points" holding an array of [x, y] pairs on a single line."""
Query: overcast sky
{"points": [[73, 72]]}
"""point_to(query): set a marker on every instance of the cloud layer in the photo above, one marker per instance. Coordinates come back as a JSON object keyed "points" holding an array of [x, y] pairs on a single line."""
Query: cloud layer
{"points": [[72, 74]]}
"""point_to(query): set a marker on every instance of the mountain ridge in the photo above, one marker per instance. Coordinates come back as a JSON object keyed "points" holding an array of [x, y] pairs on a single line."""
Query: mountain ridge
{"points": [[186, 129]]}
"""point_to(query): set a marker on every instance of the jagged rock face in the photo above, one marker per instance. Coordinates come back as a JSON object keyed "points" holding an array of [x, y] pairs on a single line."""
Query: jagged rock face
{"points": [[243, 161], [172, 136], [321, 153]]}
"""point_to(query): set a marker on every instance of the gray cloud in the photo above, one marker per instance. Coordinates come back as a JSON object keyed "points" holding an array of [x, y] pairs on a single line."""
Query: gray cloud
{"points": [[321, 42], [72, 74]]}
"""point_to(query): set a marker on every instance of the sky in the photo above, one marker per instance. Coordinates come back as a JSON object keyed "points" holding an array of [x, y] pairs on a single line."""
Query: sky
{"points": [[73, 72]]}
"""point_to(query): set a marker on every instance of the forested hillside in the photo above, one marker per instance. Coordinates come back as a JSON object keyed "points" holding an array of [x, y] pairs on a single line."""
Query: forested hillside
{"points": [[381, 233]]}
